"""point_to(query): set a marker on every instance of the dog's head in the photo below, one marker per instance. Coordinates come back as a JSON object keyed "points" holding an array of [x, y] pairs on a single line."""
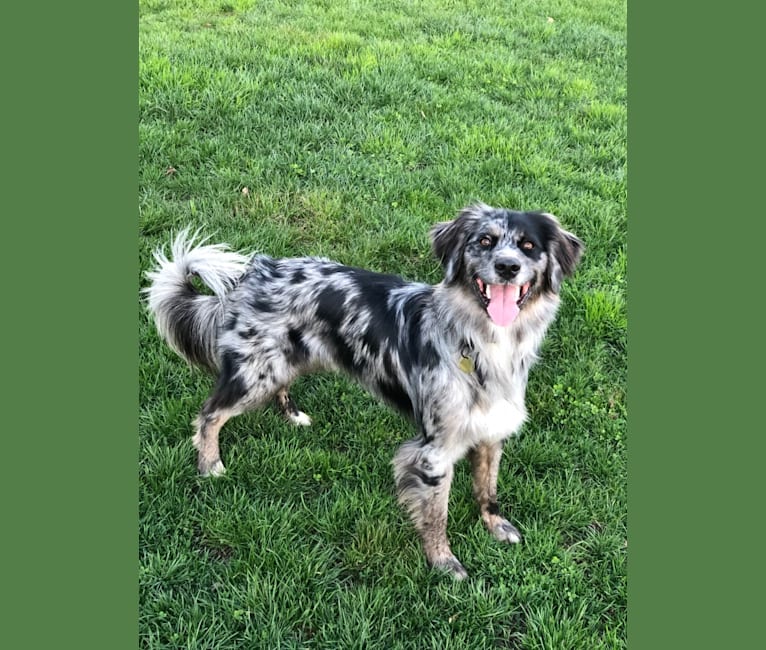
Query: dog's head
{"points": [[505, 258]]}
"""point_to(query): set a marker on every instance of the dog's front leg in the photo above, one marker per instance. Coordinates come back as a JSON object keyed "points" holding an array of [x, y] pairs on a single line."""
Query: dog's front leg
{"points": [[423, 479], [485, 464]]}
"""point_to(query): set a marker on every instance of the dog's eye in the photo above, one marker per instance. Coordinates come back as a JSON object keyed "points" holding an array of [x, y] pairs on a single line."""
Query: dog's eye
{"points": [[485, 241], [527, 245]]}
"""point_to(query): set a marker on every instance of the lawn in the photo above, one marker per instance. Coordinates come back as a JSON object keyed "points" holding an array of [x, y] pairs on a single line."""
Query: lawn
{"points": [[345, 129]]}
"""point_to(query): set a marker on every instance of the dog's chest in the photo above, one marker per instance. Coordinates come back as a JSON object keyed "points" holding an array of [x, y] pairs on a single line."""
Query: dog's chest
{"points": [[496, 421], [497, 381]]}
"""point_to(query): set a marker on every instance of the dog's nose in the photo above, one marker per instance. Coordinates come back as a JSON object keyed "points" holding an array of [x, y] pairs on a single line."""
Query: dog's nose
{"points": [[507, 269]]}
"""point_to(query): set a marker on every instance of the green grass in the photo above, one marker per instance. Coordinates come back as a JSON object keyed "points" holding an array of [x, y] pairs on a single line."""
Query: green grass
{"points": [[354, 126]]}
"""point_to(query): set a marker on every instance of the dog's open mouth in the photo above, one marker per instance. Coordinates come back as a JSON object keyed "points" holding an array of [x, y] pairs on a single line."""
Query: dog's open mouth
{"points": [[502, 301]]}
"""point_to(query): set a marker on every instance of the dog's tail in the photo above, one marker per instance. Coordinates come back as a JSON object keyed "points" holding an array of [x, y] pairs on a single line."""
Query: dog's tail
{"points": [[187, 319]]}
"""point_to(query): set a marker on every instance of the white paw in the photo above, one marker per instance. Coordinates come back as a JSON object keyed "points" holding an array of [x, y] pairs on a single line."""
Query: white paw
{"points": [[505, 531], [300, 419], [452, 566], [216, 469]]}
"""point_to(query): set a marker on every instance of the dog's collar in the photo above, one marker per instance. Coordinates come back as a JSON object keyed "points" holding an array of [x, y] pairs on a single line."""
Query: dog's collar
{"points": [[467, 361]]}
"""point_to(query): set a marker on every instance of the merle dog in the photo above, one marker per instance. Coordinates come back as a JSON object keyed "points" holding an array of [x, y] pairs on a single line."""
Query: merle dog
{"points": [[454, 357]]}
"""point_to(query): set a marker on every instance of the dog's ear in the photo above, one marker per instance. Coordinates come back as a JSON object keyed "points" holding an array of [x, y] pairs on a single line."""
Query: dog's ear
{"points": [[449, 239], [566, 250]]}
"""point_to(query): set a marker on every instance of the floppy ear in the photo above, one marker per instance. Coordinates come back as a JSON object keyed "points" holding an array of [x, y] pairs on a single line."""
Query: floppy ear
{"points": [[566, 250], [449, 239]]}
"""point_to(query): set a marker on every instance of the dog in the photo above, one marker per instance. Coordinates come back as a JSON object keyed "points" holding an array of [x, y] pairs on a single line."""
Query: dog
{"points": [[453, 357]]}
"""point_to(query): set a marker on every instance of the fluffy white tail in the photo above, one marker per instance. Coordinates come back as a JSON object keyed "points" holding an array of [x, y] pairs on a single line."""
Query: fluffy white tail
{"points": [[185, 318]]}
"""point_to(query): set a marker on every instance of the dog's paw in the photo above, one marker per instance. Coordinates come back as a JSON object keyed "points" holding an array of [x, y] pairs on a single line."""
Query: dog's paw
{"points": [[504, 531], [452, 566], [215, 468], [299, 419]]}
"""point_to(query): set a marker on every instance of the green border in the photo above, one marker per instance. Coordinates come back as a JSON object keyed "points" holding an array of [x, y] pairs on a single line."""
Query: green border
{"points": [[70, 284], [70, 274], [696, 449]]}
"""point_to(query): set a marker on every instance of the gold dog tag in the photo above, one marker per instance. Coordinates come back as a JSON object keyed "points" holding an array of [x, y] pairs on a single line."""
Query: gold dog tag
{"points": [[466, 364]]}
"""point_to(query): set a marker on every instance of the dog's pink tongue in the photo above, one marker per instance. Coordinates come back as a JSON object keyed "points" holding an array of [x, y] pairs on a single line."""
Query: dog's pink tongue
{"points": [[502, 306]]}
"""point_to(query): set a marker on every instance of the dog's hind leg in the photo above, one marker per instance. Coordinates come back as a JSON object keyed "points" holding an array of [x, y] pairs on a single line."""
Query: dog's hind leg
{"points": [[485, 464], [423, 477], [290, 410], [208, 425], [241, 387]]}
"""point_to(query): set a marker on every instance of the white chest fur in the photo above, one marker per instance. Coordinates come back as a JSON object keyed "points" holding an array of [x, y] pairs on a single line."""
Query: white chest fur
{"points": [[494, 395], [502, 419]]}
